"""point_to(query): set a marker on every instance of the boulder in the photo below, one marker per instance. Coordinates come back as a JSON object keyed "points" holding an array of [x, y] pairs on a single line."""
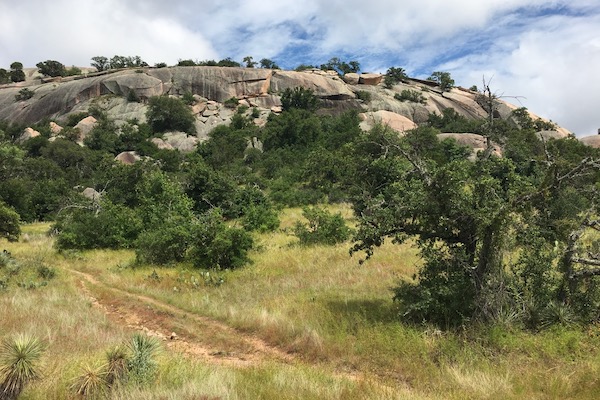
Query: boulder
{"points": [[370, 79], [85, 126], [351, 78], [128, 157], [161, 144], [592, 141], [181, 141], [397, 122], [91, 194], [55, 128], [27, 134]]}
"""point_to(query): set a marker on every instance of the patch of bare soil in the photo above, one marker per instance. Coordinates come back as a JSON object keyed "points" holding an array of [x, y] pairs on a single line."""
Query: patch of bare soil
{"points": [[182, 331]]}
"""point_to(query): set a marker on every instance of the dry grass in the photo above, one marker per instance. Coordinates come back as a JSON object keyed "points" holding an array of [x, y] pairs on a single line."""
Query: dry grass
{"points": [[334, 314]]}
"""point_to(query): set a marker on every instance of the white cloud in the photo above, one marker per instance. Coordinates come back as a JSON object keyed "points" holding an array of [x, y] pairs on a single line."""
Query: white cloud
{"points": [[552, 65], [73, 32]]}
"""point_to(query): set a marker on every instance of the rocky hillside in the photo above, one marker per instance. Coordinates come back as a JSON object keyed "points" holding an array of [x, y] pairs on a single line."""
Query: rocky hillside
{"points": [[123, 95]]}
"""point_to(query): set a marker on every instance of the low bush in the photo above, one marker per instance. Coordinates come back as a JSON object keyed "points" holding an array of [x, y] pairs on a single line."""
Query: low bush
{"points": [[322, 228], [411, 95]]}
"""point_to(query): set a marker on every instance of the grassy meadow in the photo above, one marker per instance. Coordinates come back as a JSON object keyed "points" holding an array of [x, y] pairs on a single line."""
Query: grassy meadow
{"points": [[333, 316]]}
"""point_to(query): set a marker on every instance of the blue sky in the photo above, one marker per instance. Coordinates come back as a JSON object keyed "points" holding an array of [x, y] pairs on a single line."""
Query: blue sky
{"points": [[541, 54]]}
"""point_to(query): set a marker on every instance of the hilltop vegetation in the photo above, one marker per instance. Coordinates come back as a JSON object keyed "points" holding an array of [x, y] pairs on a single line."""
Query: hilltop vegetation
{"points": [[502, 243]]}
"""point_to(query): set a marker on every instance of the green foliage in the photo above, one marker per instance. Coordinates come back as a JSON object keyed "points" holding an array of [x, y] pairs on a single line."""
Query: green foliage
{"points": [[16, 72], [363, 95], [9, 223], [443, 296], [141, 365], [170, 114], [186, 63], [525, 122], [73, 71], [256, 211], [322, 227], [231, 102], [215, 245], [24, 94], [443, 79], [165, 243], [452, 122], [466, 217], [92, 226], [340, 66], [304, 67], [300, 98], [268, 64], [19, 365], [51, 68], [118, 62], [4, 76], [100, 63], [250, 63], [188, 98], [412, 96], [393, 76]]}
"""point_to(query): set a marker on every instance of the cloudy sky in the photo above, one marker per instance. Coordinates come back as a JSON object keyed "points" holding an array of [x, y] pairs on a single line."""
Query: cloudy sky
{"points": [[541, 54]]}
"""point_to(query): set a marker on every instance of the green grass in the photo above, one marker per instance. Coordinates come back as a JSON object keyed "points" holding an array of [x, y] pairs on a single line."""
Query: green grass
{"points": [[318, 303]]}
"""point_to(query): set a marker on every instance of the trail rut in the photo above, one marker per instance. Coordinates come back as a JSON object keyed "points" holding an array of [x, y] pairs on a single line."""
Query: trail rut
{"points": [[183, 331]]}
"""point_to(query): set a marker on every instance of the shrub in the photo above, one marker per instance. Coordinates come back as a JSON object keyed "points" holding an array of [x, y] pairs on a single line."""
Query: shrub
{"points": [[364, 95], [24, 94], [261, 217], [170, 114], [300, 98], [51, 68], [215, 245], [9, 223], [322, 228], [410, 95], [110, 226], [231, 102], [165, 243]]}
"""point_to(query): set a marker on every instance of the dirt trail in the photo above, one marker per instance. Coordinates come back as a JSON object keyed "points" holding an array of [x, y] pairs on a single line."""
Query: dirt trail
{"points": [[183, 331], [196, 336]]}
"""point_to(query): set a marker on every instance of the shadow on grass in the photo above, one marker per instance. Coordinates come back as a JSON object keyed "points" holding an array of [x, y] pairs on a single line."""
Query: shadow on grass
{"points": [[371, 311]]}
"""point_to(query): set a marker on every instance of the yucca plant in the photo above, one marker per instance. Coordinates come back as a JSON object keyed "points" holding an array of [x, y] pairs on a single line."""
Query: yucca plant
{"points": [[141, 365], [117, 361], [19, 365], [92, 383]]}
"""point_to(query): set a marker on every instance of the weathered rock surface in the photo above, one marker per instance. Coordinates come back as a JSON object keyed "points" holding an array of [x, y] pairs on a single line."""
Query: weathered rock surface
{"points": [[592, 141], [547, 135], [395, 121], [128, 157], [91, 194], [323, 86], [27, 134], [161, 144], [115, 92], [85, 126], [55, 128], [181, 141]]}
